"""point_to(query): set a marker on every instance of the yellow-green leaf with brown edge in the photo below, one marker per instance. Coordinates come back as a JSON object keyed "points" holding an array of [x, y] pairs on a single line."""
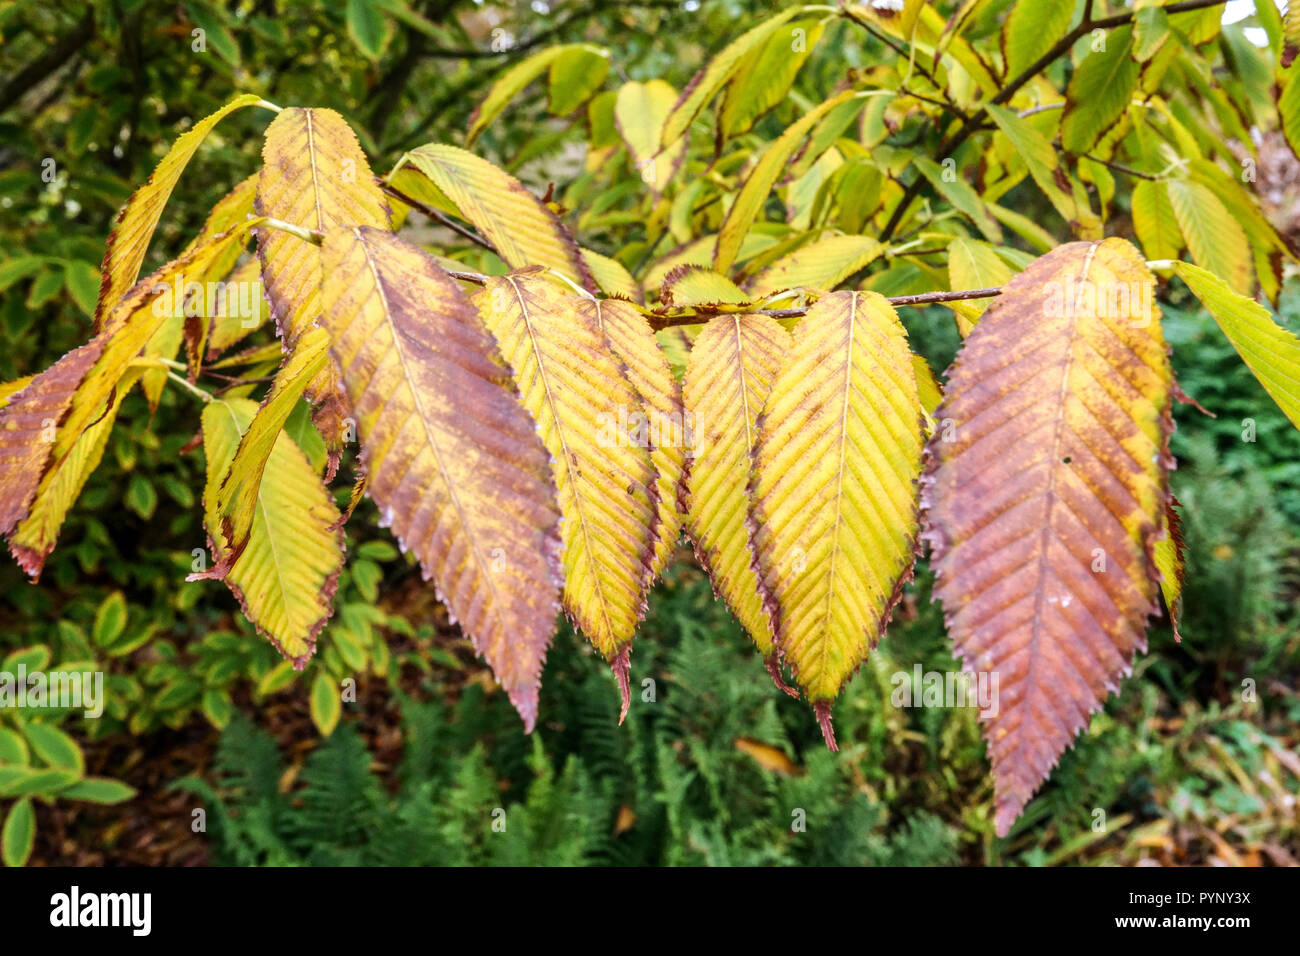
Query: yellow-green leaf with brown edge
{"points": [[764, 77], [711, 77], [693, 285], [758, 184], [821, 265], [1044, 497], [286, 576], [833, 515], [454, 463], [662, 426], [129, 240], [1154, 221], [522, 228], [1100, 91], [1271, 352], [569, 379], [639, 113], [612, 276], [728, 375], [235, 500]]}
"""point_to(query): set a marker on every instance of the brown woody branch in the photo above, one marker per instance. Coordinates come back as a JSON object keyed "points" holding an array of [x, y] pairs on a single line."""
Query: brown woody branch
{"points": [[950, 144]]}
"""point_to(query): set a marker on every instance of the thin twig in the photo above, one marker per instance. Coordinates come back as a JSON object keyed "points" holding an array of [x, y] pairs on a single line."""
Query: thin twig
{"points": [[435, 214], [950, 144]]}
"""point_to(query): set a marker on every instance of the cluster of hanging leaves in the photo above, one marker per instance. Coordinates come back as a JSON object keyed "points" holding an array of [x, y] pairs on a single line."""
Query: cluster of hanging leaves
{"points": [[539, 423]]}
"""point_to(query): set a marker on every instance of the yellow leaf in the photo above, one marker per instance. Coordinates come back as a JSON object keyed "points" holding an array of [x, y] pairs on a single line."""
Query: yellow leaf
{"points": [[235, 500], [1154, 222], [286, 576], [821, 265], [129, 241], [574, 389], [639, 113], [690, 285], [666, 430], [316, 176], [1214, 237], [523, 229], [833, 510], [728, 376]]}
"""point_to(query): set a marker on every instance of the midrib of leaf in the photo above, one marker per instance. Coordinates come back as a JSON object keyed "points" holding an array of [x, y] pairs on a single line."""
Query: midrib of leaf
{"points": [[839, 478], [315, 177], [484, 568], [1044, 538], [564, 446]]}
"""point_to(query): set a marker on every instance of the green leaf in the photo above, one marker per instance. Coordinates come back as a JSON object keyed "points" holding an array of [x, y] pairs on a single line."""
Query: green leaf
{"points": [[13, 749], [367, 27], [958, 192], [110, 619], [576, 74], [98, 790], [276, 679], [47, 285], [1099, 92], [326, 704], [1150, 30], [141, 497], [55, 747], [212, 22], [31, 658], [1030, 30], [217, 707], [1271, 352], [19, 834], [19, 268], [1033, 148], [82, 282]]}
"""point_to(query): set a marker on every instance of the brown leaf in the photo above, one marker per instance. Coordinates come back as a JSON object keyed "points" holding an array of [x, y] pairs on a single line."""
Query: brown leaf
{"points": [[1044, 496]]}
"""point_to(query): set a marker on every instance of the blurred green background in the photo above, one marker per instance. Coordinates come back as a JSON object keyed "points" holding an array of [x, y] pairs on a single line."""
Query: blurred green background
{"points": [[718, 768]]}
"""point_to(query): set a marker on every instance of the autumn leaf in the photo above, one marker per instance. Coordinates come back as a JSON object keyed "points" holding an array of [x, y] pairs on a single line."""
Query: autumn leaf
{"points": [[574, 389], [286, 574], [667, 431], [833, 518], [728, 377], [523, 230], [453, 461], [1044, 500], [129, 241]]}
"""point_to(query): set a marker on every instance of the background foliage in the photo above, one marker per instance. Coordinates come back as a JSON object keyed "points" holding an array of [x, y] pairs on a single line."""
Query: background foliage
{"points": [[202, 713]]}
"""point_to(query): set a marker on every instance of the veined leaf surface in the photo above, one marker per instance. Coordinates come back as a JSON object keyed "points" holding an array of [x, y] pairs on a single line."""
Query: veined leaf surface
{"points": [[452, 459], [234, 503], [129, 240], [523, 229], [314, 175], [285, 577], [1045, 498], [667, 431], [833, 517], [728, 376], [570, 383], [1270, 351]]}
